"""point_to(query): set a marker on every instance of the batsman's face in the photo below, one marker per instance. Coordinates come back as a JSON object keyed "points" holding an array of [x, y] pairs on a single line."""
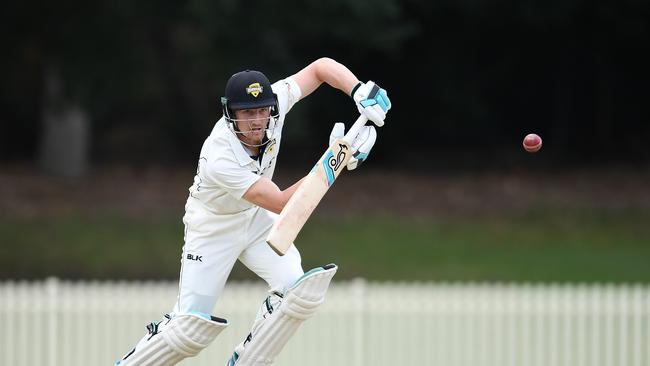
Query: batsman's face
{"points": [[252, 124]]}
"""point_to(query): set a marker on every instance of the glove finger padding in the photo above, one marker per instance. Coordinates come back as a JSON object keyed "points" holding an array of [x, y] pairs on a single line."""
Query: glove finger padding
{"points": [[361, 146]]}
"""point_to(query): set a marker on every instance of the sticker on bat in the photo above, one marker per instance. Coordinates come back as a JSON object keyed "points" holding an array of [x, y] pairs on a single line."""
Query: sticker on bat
{"points": [[332, 164]]}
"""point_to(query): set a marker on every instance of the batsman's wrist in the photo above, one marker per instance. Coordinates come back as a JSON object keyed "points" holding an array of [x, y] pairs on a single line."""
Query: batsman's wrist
{"points": [[354, 90]]}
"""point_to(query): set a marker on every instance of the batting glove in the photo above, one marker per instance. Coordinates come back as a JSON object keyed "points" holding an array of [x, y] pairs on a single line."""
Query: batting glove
{"points": [[372, 101], [361, 145]]}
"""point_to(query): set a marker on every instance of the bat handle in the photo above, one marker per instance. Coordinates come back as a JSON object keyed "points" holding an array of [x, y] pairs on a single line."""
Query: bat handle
{"points": [[354, 130]]}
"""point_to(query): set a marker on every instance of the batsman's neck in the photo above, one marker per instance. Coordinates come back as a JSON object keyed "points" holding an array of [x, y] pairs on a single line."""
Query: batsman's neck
{"points": [[251, 150]]}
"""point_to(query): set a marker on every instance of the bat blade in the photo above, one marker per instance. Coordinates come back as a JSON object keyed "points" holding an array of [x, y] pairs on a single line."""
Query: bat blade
{"points": [[303, 202], [295, 213]]}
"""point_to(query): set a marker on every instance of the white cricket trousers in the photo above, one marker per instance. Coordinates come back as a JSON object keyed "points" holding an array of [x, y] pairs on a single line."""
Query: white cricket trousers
{"points": [[212, 247]]}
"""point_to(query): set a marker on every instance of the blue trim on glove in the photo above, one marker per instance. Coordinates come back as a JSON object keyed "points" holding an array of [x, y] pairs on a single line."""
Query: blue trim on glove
{"points": [[382, 100], [380, 97], [360, 156], [368, 102]]}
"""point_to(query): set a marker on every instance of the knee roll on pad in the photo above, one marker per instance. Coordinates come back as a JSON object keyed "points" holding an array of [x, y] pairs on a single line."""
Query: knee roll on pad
{"points": [[171, 341], [300, 308], [188, 334], [300, 302]]}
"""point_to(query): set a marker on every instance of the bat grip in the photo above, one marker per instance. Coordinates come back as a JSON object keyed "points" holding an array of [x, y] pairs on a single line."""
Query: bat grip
{"points": [[354, 130]]}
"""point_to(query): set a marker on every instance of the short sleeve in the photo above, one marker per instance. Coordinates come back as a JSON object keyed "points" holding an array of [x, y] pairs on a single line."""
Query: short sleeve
{"points": [[229, 175], [288, 93]]}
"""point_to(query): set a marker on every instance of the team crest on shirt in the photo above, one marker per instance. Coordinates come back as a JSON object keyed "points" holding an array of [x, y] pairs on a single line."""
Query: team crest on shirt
{"points": [[270, 147], [254, 89]]}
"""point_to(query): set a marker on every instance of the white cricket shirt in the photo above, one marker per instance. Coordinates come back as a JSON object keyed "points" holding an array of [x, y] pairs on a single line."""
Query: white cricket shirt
{"points": [[225, 170]]}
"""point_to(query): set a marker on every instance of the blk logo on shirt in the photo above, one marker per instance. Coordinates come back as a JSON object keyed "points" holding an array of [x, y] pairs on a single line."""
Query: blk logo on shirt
{"points": [[193, 257]]}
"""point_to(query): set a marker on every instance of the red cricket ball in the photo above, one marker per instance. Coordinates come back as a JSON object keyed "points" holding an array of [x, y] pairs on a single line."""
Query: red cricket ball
{"points": [[532, 143]]}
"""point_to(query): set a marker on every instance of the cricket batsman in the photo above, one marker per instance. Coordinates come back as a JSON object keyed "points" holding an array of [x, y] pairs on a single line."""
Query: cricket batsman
{"points": [[231, 208]]}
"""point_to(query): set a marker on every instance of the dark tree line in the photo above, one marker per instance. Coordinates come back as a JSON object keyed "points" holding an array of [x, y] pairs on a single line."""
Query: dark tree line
{"points": [[464, 76]]}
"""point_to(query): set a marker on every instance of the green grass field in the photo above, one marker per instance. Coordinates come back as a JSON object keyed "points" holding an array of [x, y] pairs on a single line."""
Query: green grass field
{"points": [[546, 245]]}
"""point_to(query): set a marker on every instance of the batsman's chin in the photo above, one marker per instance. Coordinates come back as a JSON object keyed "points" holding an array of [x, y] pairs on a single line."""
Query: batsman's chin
{"points": [[256, 135]]}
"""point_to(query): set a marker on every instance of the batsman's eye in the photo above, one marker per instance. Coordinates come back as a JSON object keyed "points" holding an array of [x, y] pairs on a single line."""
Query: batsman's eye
{"points": [[254, 112]]}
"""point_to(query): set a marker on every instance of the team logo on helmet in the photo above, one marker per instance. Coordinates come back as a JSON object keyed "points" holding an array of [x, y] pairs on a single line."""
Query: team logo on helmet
{"points": [[254, 89]]}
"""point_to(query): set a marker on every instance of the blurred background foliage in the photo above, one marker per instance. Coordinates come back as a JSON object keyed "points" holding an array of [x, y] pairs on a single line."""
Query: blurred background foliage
{"points": [[465, 74], [468, 79]]}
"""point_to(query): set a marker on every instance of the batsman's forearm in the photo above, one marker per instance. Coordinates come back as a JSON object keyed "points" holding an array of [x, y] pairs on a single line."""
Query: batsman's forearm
{"points": [[329, 71], [336, 75], [287, 193], [266, 194]]}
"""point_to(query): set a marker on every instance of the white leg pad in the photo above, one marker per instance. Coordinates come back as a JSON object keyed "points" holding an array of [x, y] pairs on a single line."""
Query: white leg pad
{"points": [[299, 303], [185, 335]]}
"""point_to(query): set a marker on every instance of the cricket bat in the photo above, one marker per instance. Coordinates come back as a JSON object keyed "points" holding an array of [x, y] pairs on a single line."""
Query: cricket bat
{"points": [[305, 199]]}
